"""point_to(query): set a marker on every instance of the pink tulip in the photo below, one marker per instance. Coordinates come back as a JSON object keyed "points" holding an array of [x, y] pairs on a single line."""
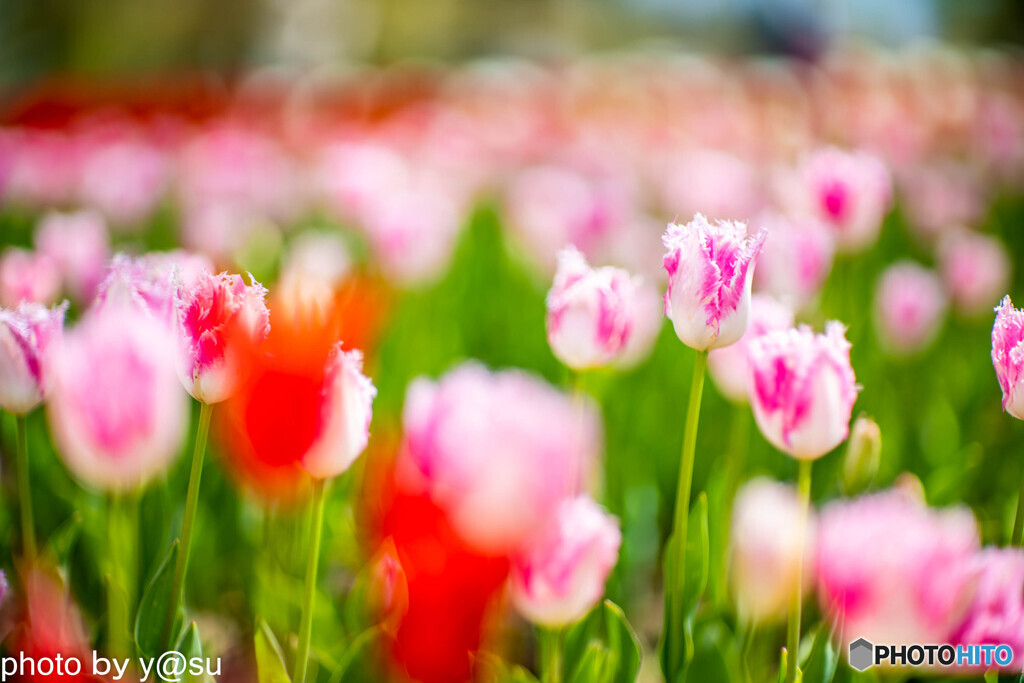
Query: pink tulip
{"points": [[560, 575], [711, 181], [27, 276], [345, 414], [117, 410], [354, 176], [143, 283], [976, 270], [124, 179], [728, 366], [996, 614], [709, 275], [221, 321], [894, 571], [796, 259], [802, 389], [648, 315], [27, 337], [910, 305], [1007, 358], [79, 245], [849, 191], [589, 320], [499, 451], [765, 550], [939, 196]]}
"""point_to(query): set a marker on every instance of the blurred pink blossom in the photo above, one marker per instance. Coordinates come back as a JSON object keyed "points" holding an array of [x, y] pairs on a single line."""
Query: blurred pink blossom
{"points": [[796, 259], [80, 246], [710, 182], [499, 451], [802, 389], [560, 574], [27, 276], [28, 335], [124, 180], [910, 306], [710, 268], [975, 269], [996, 614]]}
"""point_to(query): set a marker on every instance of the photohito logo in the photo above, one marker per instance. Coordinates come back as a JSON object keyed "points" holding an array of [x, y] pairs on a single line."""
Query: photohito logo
{"points": [[864, 654]]}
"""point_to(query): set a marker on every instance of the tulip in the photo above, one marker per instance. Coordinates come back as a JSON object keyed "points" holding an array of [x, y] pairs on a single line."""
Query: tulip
{"points": [[797, 259], [28, 336], [648, 316], [976, 270], [802, 389], [499, 451], [560, 575], [124, 179], [27, 276], [728, 366], [910, 304], [79, 245], [588, 320], [117, 410], [766, 550], [220, 321], [143, 284], [713, 181], [996, 613], [709, 276], [891, 570], [851, 192], [1007, 339]]}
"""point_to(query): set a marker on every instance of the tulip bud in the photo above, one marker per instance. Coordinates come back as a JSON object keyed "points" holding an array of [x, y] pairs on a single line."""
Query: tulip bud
{"points": [[802, 389], [765, 550], [709, 276], [728, 366], [27, 276], [387, 588], [589, 321], [27, 337], [345, 414], [117, 410], [910, 305], [1007, 339], [220, 322], [561, 574], [863, 455]]}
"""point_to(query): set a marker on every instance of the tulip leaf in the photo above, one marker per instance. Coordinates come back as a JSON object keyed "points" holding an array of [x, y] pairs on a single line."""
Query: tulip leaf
{"points": [[597, 664], [270, 666], [821, 663], [606, 625], [191, 647], [63, 539], [695, 581], [490, 668], [152, 615], [359, 648]]}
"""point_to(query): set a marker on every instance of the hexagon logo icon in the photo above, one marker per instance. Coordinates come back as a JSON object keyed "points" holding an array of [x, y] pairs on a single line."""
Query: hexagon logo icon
{"points": [[861, 654]]}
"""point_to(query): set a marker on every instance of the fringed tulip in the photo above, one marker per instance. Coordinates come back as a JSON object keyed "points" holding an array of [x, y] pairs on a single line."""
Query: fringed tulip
{"points": [[709, 276], [894, 571], [27, 276], [346, 412], [996, 614], [499, 451], [221, 321], [79, 245], [28, 335], [910, 304], [560, 575], [141, 283], [728, 366], [1008, 356], [976, 270], [849, 191], [117, 410], [765, 550], [802, 389], [588, 319]]}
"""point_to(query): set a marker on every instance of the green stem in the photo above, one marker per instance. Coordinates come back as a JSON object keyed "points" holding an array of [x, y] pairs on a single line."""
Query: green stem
{"points": [[122, 534], [188, 523], [793, 630], [28, 533], [551, 646], [674, 584], [1018, 522], [316, 527]]}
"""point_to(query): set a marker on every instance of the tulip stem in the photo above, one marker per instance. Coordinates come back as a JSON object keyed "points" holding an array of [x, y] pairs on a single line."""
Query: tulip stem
{"points": [[188, 523], [316, 527], [674, 584], [793, 630], [122, 533], [28, 532], [1018, 522], [551, 645]]}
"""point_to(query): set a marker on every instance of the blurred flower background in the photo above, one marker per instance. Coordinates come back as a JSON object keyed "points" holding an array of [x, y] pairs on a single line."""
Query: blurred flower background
{"points": [[451, 214]]}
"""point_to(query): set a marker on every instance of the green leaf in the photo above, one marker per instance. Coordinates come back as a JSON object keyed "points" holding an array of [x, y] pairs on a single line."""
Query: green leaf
{"points": [[605, 626], [821, 663], [152, 614], [695, 581], [191, 647], [358, 649], [270, 666], [490, 668], [64, 537], [597, 665]]}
